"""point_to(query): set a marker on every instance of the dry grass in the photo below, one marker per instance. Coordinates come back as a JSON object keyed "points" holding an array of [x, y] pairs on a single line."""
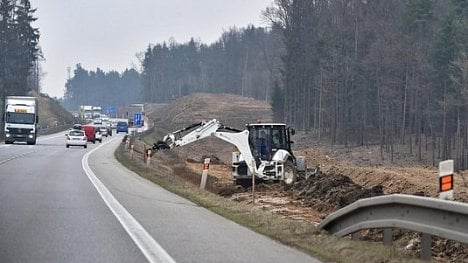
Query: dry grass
{"points": [[301, 235]]}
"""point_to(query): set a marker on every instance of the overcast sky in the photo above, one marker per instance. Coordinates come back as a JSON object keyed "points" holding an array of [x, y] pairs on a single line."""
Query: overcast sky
{"points": [[109, 33]]}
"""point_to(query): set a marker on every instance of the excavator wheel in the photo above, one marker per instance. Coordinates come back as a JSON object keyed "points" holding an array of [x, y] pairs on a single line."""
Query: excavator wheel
{"points": [[161, 145], [243, 182], [290, 175]]}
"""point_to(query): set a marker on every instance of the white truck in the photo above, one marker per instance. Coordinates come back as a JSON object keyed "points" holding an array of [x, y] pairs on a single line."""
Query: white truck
{"points": [[20, 119], [85, 112]]}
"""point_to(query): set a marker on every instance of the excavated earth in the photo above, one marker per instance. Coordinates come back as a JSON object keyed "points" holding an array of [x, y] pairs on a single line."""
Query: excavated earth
{"points": [[346, 174]]}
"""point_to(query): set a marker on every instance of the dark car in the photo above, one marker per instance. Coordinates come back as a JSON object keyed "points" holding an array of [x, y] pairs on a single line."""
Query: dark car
{"points": [[121, 127], [109, 129], [77, 126]]}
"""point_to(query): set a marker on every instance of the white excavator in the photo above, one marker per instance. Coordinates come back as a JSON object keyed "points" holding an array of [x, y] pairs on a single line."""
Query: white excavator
{"points": [[264, 150]]}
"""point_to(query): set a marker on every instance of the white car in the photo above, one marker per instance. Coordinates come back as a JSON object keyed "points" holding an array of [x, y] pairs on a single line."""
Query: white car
{"points": [[103, 130], [76, 138], [98, 134], [97, 121]]}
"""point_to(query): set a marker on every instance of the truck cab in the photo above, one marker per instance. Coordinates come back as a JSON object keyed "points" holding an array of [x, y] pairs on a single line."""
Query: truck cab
{"points": [[20, 118]]}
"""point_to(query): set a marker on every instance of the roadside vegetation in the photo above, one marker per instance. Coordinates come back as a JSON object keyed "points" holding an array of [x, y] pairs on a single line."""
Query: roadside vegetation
{"points": [[304, 236]]}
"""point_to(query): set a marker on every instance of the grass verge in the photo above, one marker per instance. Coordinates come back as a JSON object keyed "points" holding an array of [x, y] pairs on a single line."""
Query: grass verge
{"points": [[303, 236]]}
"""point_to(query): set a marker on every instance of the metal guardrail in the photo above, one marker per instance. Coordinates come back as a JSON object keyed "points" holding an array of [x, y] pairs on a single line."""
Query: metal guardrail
{"points": [[55, 129], [429, 216]]}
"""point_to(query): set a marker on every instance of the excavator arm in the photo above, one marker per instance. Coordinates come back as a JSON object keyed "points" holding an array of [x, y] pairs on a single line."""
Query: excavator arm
{"points": [[199, 131]]}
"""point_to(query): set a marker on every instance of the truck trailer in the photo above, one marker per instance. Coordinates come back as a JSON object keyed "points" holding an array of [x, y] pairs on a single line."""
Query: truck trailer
{"points": [[21, 119]]}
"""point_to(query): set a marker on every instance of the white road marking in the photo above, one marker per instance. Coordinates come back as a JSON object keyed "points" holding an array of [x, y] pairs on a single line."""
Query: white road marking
{"points": [[39, 139], [53, 136], [15, 157], [148, 246]]}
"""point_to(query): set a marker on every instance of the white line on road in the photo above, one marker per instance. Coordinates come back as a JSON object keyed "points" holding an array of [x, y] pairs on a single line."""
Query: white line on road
{"points": [[148, 246], [15, 157]]}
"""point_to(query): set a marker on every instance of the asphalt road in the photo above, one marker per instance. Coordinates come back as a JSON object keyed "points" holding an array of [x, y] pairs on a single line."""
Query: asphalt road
{"points": [[81, 205]]}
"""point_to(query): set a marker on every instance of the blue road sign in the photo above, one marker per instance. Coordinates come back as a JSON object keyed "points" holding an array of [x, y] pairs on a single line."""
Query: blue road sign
{"points": [[111, 111], [137, 119]]}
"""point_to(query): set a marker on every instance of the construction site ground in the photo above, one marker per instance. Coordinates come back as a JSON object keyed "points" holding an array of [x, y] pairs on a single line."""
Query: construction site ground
{"points": [[345, 175]]}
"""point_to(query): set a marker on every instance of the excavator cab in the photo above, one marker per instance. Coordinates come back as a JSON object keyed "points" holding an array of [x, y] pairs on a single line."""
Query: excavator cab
{"points": [[267, 138], [270, 144]]}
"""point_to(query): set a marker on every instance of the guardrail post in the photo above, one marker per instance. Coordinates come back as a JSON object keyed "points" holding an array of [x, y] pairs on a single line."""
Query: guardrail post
{"points": [[446, 180], [426, 246], [387, 236]]}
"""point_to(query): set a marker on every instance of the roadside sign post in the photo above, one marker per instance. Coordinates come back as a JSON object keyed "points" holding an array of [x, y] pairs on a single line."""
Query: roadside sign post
{"points": [[446, 180], [148, 157], [206, 167], [137, 119], [253, 185]]}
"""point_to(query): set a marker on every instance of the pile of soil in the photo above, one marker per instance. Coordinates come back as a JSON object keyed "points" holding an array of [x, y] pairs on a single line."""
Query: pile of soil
{"points": [[231, 110], [331, 191]]}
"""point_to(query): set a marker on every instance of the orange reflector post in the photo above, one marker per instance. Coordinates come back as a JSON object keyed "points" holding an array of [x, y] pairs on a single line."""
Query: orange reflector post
{"points": [[204, 177], [446, 183]]}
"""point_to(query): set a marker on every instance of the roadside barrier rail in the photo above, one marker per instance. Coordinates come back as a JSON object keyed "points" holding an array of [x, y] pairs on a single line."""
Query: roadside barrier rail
{"points": [[54, 129], [429, 216]]}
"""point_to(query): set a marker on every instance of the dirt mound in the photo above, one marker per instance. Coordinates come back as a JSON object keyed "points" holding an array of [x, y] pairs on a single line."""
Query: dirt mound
{"points": [[51, 113], [231, 110], [329, 192]]}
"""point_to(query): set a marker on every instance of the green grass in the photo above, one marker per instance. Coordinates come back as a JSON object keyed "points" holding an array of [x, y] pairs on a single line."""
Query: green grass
{"points": [[303, 236]]}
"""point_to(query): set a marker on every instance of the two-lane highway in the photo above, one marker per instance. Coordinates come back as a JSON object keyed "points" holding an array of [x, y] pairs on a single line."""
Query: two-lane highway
{"points": [[81, 205]]}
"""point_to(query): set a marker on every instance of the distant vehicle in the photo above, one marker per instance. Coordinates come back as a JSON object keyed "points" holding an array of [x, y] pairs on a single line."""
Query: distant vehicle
{"points": [[98, 121], [121, 127], [76, 138], [77, 126], [103, 130], [90, 133], [107, 125], [109, 129], [113, 124], [20, 119], [85, 112], [97, 111], [98, 133]]}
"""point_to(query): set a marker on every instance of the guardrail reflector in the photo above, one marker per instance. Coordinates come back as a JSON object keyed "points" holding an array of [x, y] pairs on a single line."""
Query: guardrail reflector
{"points": [[446, 183]]}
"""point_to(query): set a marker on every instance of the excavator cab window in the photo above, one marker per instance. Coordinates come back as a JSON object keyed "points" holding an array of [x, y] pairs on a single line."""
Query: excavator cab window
{"points": [[268, 139]]}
